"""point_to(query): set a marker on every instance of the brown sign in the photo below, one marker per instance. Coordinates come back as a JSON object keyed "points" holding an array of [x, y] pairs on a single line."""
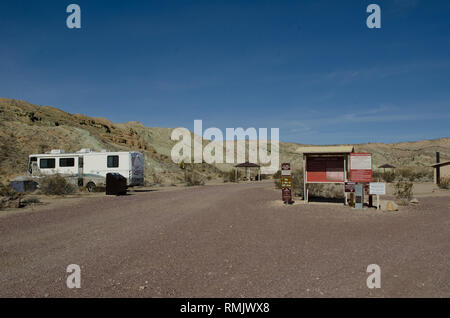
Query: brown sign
{"points": [[286, 182], [286, 194], [285, 166], [350, 187]]}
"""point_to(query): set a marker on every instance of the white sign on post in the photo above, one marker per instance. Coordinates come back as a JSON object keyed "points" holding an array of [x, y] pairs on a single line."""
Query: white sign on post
{"points": [[377, 188]]}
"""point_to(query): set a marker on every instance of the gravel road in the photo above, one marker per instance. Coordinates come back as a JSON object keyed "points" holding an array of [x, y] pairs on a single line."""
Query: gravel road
{"points": [[224, 241]]}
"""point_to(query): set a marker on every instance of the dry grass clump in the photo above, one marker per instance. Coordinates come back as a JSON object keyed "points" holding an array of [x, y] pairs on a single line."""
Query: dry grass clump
{"points": [[56, 185], [194, 178], [156, 179], [403, 192], [9, 197], [444, 183], [414, 174], [326, 191]]}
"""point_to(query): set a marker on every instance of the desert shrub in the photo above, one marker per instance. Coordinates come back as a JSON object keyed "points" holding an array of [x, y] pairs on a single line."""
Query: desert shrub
{"points": [[315, 189], [333, 191], [444, 183], [157, 179], [297, 182], [56, 185], [403, 191], [416, 173], [277, 175], [277, 179], [388, 176], [406, 173], [7, 195], [194, 179]]}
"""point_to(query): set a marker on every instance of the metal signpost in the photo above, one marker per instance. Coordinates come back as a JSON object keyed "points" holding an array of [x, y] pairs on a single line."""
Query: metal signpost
{"points": [[349, 187], [359, 196], [286, 183], [378, 188]]}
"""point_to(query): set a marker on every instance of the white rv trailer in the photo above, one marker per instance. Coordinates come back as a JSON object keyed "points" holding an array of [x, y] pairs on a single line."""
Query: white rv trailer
{"points": [[89, 168]]}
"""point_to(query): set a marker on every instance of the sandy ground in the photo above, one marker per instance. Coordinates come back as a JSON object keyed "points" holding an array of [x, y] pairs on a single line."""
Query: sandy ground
{"points": [[223, 241]]}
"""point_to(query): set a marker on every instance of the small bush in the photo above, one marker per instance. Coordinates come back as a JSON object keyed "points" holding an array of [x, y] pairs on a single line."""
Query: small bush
{"points": [[444, 183], [9, 193], [297, 182], [277, 175], [156, 179], [315, 189], [403, 192], [8, 196], [194, 179], [406, 174], [388, 176], [56, 185], [414, 174], [277, 179]]}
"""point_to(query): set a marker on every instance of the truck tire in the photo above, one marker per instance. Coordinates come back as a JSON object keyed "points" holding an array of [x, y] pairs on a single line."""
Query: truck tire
{"points": [[90, 186]]}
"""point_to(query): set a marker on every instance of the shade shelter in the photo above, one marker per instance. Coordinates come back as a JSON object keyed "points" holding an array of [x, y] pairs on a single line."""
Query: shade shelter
{"points": [[386, 166], [248, 166], [325, 164], [441, 171]]}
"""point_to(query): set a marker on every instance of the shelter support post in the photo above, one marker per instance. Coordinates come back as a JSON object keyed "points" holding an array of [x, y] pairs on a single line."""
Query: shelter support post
{"points": [[305, 176]]}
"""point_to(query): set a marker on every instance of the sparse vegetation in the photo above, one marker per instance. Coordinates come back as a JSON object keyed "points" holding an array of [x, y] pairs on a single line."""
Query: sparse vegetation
{"points": [[277, 179], [156, 179], [30, 200], [194, 179], [9, 197], [444, 183], [412, 174], [388, 176], [403, 192], [56, 185]]}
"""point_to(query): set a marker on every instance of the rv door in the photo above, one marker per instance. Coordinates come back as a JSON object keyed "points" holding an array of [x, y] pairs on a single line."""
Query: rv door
{"points": [[137, 169]]}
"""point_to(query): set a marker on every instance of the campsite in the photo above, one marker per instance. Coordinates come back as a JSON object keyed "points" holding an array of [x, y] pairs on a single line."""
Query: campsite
{"points": [[224, 157]]}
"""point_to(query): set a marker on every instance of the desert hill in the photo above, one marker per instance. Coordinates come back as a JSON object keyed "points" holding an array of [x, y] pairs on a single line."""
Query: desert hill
{"points": [[26, 128]]}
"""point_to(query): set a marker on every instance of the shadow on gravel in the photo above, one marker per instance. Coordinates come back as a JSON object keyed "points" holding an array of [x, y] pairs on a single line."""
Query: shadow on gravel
{"points": [[142, 191], [326, 200]]}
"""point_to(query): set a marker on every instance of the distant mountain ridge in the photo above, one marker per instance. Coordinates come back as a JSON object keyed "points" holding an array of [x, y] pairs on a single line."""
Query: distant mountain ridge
{"points": [[26, 128]]}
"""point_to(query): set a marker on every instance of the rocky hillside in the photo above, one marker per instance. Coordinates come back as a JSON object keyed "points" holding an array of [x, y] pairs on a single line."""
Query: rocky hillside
{"points": [[27, 128]]}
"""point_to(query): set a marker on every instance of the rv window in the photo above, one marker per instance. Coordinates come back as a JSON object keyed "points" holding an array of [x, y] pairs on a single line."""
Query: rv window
{"points": [[47, 163], [113, 161], [67, 162], [80, 162]]}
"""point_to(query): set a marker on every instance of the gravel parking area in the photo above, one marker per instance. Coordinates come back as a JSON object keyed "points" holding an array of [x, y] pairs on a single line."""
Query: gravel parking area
{"points": [[224, 241]]}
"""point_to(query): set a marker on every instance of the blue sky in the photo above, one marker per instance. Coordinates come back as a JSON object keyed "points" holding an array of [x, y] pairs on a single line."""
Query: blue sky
{"points": [[311, 68]]}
